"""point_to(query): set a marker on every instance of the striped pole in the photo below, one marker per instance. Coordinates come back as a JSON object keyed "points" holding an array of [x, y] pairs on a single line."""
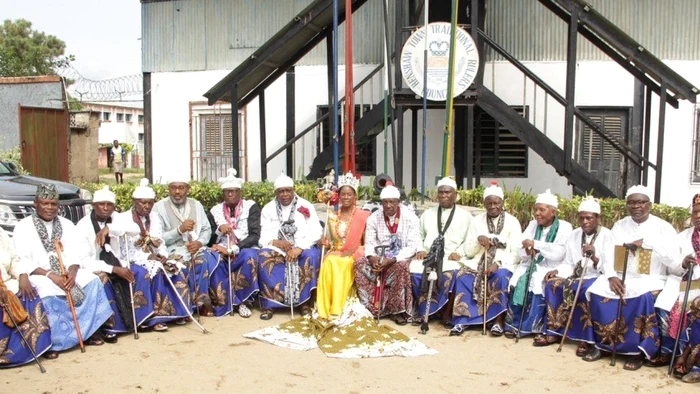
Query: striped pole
{"points": [[334, 89], [449, 109], [425, 103]]}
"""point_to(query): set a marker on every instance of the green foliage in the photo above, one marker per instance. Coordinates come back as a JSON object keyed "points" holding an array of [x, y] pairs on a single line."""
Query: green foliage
{"points": [[14, 156], [518, 203], [27, 52]]}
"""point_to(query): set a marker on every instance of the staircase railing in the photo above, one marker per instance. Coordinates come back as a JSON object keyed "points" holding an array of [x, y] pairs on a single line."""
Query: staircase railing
{"points": [[612, 141], [364, 94]]}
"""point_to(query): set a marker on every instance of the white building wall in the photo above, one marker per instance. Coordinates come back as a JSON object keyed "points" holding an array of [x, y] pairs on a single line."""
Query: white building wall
{"points": [[598, 84]]}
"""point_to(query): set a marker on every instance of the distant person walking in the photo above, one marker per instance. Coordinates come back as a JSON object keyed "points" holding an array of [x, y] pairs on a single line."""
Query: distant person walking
{"points": [[118, 156]]}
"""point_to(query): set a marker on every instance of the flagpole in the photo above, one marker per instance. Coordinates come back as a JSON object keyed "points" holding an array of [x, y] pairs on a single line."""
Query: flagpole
{"points": [[349, 154], [334, 89], [387, 75], [450, 91], [425, 103]]}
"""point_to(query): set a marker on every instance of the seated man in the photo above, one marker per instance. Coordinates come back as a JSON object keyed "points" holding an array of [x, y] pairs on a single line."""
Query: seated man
{"points": [[289, 262], [542, 250], [493, 239], [384, 282], [186, 231], [169, 289], [18, 298], [35, 238], [238, 231], [102, 253], [442, 229], [590, 245], [639, 324], [687, 365]]}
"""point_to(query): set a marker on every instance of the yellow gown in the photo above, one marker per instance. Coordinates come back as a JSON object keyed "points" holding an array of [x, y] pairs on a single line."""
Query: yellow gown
{"points": [[336, 276]]}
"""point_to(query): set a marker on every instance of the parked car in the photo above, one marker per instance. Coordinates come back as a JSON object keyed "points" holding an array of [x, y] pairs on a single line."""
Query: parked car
{"points": [[17, 193]]}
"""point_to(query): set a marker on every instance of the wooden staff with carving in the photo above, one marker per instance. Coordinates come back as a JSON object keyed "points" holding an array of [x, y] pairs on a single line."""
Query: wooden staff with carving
{"points": [[59, 249]]}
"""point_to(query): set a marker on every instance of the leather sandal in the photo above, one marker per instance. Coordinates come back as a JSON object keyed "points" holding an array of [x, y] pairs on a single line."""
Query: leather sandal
{"points": [[543, 340], [95, 340], [50, 355], [658, 361], [593, 355], [633, 364], [509, 334], [306, 311], [680, 370], [496, 330], [244, 311], [692, 377], [399, 319], [110, 338], [266, 314], [582, 349], [160, 327]]}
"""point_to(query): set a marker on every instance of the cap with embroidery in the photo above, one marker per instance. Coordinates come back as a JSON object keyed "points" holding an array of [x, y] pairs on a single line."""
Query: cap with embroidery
{"points": [[547, 198], [589, 204], [230, 181], [104, 195], [46, 192], [639, 189], [493, 190], [447, 181], [143, 191], [283, 181], [390, 191]]}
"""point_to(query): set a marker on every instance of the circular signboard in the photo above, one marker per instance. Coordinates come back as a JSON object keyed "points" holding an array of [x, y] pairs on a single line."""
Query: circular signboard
{"points": [[438, 37]]}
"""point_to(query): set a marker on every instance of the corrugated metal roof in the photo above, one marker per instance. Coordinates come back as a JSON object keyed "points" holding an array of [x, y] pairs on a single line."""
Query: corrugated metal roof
{"points": [[188, 35], [526, 29]]}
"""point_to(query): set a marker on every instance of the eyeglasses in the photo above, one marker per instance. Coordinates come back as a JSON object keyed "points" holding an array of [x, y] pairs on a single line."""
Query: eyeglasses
{"points": [[232, 191], [636, 203]]}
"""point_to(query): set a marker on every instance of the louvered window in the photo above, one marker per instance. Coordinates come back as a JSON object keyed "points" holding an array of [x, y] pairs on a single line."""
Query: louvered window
{"points": [[595, 154], [216, 133], [502, 154]]}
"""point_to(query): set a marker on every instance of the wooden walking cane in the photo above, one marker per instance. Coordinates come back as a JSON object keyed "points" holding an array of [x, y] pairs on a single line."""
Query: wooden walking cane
{"points": [[689, 284], [524, 306], [628, 248], [59, 248], [573, 307], [131, 288], [288, 272]]}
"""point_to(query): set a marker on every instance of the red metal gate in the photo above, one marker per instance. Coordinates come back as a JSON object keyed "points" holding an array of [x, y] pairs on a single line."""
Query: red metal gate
{"points": [[43, 135]]}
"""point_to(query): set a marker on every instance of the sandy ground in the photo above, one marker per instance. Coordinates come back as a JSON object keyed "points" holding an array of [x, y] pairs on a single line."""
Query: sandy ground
{"points": [[183, 360]]}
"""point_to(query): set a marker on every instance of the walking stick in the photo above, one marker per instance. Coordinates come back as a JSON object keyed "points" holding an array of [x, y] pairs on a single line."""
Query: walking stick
{"points": [[177, 293], [578, 290], [230, 279], [486, 282], [131, 288], [195, 287], [379, 285], [24, 339], [59, 247], [325, 229], [524, 306], [432, 277], [288, 268], [680, 324], [628, 248]]}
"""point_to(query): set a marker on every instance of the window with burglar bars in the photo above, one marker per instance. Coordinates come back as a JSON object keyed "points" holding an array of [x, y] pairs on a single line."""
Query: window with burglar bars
{"points": [[366, 153], [596, 155], [212, 144], [695, 174]]}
